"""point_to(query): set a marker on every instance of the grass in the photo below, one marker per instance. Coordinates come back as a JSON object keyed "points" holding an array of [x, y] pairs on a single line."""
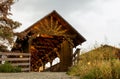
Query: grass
{"points": [[100, 63], [8, 68]]}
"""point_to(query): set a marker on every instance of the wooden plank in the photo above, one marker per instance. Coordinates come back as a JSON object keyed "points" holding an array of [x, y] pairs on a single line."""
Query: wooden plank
{"points": [[20, 64], [57, 54], [15, 59], [76, 52], [44, 47], [13, 54], [25, 57], [48, 58], [25, 69], [75, 58], [56, 51]]}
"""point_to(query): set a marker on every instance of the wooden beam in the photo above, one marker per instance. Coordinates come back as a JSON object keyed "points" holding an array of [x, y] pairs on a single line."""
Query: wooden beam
{"points": [[15, 59], [14, 54], [76, 52], [56, 51], [44, 47], [20, 64], [69, 40], [48, 57]]}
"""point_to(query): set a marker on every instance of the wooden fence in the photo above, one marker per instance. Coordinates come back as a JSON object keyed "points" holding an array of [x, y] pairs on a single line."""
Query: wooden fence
{"points": [[76, 56], [16, 59]]}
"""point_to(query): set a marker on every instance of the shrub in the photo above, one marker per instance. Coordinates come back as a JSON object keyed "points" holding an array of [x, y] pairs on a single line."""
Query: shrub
{"points": [[116, 69], [98, 64], [7, 67], [99, 70]]}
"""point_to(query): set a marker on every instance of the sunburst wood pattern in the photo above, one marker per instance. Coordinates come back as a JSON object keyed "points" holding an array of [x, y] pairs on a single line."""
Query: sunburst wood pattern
{"points": [[50, 26]]}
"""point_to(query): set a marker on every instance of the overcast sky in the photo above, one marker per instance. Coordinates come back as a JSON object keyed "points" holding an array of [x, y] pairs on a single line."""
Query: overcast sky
{"points": [[97, 20]]}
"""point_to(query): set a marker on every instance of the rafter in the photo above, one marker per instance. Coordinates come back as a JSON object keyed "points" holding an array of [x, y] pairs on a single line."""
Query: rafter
{"points": [[56, 51]]}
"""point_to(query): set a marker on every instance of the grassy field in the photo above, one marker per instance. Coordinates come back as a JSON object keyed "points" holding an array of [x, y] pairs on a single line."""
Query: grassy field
{"points": [[100, 63]]}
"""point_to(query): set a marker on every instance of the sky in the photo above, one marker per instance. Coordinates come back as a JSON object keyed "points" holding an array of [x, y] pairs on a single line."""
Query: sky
{"points": [[98, 21]]}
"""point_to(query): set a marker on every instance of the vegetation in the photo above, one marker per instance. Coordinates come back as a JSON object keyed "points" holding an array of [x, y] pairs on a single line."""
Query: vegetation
{"points": [[7, 67], [7, 25], [101, 63]]}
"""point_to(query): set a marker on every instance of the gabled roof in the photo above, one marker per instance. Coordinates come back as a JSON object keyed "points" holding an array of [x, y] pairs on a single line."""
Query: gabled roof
{"points": [[78, 39]]}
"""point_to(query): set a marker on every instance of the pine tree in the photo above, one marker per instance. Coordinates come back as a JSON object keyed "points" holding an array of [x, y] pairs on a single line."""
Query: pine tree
{"points": [[7, 25]]}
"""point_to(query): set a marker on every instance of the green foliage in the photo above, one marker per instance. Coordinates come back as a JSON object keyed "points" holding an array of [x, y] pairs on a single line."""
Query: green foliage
{"points": [[98, 64], [7, 67], [7, 25]]}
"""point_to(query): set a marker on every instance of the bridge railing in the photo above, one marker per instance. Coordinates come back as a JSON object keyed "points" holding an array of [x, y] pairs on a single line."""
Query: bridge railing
{"points": [[21, 60], [76, 56]]}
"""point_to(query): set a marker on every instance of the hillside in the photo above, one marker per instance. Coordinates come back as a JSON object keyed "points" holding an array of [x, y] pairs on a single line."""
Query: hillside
{"points": [[100, 63]]}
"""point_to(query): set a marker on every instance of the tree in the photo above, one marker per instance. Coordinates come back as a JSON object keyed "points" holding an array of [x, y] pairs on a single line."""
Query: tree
{"points": [[7, 25]]}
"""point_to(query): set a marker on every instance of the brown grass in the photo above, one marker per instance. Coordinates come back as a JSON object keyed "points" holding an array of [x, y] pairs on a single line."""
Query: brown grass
{"points": [[100, 63]]}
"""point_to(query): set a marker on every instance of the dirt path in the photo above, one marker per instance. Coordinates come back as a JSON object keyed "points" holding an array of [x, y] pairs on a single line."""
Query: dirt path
{"points": [[36, 75]]}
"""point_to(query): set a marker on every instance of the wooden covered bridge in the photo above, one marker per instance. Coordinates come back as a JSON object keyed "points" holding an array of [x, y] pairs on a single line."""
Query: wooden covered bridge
{"points": [[47, 39]]}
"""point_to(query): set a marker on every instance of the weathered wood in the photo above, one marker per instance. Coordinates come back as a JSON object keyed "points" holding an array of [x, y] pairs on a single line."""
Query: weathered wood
{"points": [[25, 69], [20, 64], [75, 56], [46, 35], [56, 51], [48, 57], [14, 53], [53, 68], [14, 59], [74, 59], [65, 56], [17, 59], [57, 54], [76, 52]]}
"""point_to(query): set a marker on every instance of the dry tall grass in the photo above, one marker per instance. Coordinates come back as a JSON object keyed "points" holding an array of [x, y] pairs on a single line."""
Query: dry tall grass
{"points": [[101, 63]]}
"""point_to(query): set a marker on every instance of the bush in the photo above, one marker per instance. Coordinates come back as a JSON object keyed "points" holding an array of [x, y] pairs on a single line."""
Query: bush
{"points": [[7, 67], [99, 70], [98, 64], [116, 69]]}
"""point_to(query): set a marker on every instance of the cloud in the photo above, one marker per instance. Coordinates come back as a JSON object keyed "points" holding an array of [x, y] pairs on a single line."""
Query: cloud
{"points": [[27, 11], [94, 19]]}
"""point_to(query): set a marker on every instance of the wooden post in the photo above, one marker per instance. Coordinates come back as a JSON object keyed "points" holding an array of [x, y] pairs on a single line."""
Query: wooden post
{"points": [[78, 55], [65, 56]]}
